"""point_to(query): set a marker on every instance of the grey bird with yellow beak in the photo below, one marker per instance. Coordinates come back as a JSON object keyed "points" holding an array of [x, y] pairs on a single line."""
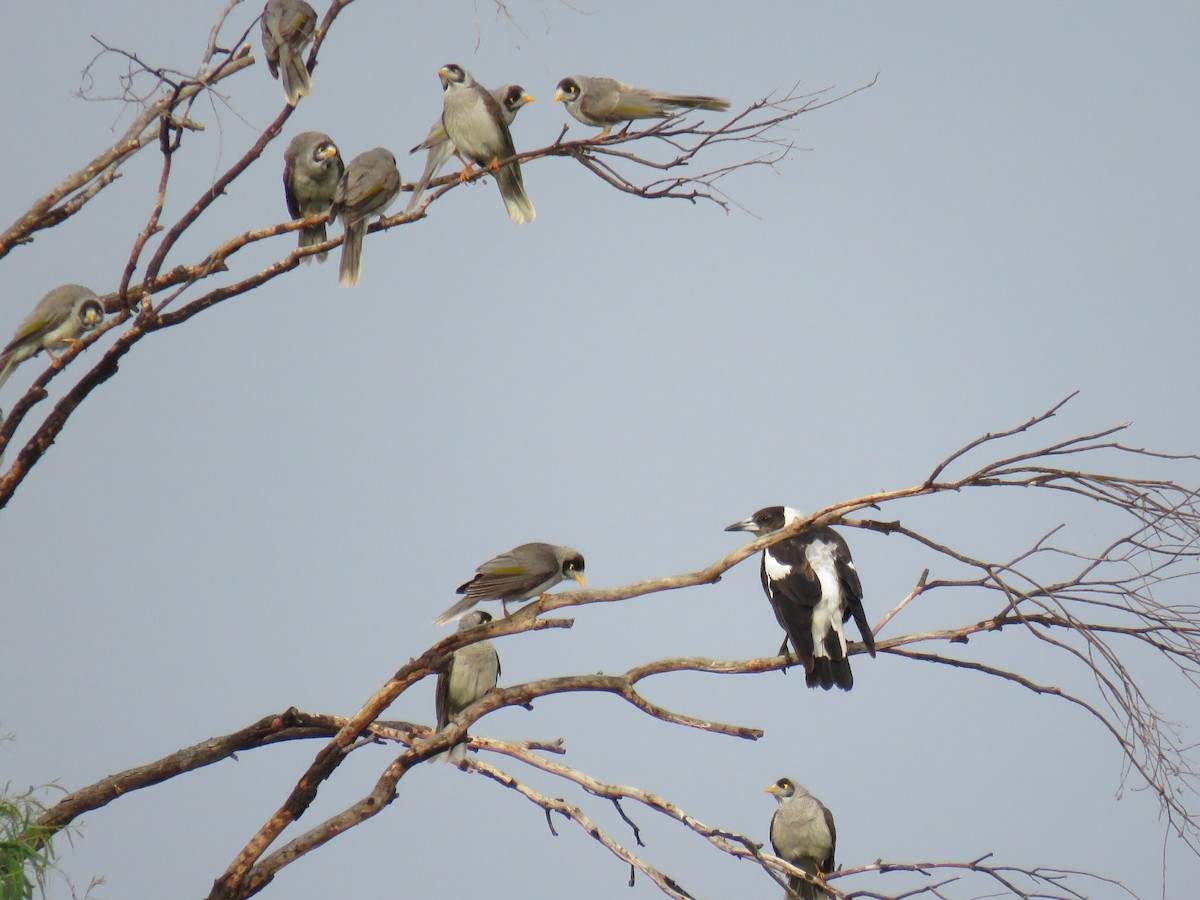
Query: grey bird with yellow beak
{"points": [[606, 102], [472, 672], [474, 121], [312, 168], [521, 573], [803, 833], [511, 98], [367, 188], [56, 322]]}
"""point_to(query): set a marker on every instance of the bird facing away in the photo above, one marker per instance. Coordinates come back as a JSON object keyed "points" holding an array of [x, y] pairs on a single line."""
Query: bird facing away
{"points": [[473, 671], [474, 121], [813, 587], [312, 168], [56, 322], [605, 102], [511, 98], [287, 28], [367, 188], [802, 832], [522, 573]]}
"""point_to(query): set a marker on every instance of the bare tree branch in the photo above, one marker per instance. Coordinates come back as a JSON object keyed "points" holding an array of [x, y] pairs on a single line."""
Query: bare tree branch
{"points": [[1088, 605]]}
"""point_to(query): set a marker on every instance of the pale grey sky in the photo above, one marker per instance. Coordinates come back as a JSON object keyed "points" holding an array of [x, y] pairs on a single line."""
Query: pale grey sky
{"points": [[267, 506]]}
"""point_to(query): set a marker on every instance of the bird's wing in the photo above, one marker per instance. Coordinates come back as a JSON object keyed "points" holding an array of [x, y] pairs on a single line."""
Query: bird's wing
{"points": [[35, 325], [828, 864], [442, 696], [297, 22], [624, 102], [366, 190], [793, 596], [498, 584], [435, 137], [289, 168], [852, 590]]}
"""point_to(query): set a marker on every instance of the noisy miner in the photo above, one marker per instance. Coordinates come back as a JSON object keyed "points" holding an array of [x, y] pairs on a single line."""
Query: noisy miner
{"points": [[812, 585], [802, 832], [605, 102], [312, 168], [287, 28], [522, 573], [57, 321], [474, 121], [367, 187], [511, 98], [473, 671]]}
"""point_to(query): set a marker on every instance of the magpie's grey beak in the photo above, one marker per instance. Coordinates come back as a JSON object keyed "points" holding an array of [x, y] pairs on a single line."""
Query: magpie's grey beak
{"points": [[744, 525]]}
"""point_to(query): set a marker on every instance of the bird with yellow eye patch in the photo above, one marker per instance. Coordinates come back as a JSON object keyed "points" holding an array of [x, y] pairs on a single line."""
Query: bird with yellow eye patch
{"points": [[474, 122], [521, 573], [511, 98], [802, 832], [605, 102], [56, 322]]}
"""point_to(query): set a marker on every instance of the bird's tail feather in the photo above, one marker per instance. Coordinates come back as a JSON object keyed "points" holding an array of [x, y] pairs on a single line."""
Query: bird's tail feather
{"points": [[314, 235], [803, 890], [699, 101], [438, 154], [351, 266], [826, 672], [456, 611], [8, 362], [297, 82], [829, 664], [454, 754], [512, 189]]}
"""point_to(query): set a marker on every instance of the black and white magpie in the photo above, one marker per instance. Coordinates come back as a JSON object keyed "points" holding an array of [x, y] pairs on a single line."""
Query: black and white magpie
{"points": [[813, 587]]}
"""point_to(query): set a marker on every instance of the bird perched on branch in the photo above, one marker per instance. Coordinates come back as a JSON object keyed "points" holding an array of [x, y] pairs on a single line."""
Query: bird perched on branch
{"points": [[522, 573], [511, 98], [473, 671], [813, 587], [287, 28], [474, 121], [802, 832], [312, 168], [605, 102], [367, 188], [56, 322]]}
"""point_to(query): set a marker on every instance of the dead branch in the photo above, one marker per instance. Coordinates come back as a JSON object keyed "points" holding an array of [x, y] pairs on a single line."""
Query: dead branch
{"points": [[760, 123], [1097, 603]]}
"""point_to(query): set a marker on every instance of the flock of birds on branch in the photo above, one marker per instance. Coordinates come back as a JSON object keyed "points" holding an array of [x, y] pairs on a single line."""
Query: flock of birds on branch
{"points": [[809, 578], [813, 587]]}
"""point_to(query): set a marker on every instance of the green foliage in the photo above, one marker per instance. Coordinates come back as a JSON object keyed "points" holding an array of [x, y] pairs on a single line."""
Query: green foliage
{"points": [[26, 852]]}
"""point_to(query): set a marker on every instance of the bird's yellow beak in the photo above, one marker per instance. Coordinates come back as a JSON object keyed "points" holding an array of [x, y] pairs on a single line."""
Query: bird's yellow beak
{"points": [[579, 578], [772, 790], [443, 71], [558, 95], [529, 98]]}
